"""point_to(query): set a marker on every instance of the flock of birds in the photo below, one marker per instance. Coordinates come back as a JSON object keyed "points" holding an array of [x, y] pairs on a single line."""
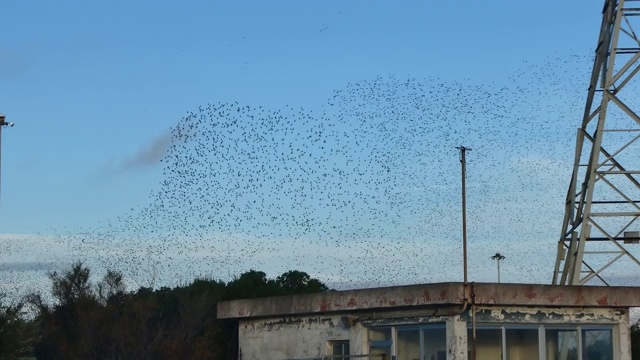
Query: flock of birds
{"points": [[361, 191]]}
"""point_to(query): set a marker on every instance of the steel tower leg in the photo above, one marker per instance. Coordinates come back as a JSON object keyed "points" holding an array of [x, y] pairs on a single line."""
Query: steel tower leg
{"points": [[603, 201]]}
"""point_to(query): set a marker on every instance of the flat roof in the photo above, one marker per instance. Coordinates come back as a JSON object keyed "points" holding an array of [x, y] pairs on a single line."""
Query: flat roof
{"points": [[431, 295]]}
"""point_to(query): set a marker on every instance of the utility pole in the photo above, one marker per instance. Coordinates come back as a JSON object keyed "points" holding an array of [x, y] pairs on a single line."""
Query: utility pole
{"points": [[463, 162], [3, 123], [498, 257]]}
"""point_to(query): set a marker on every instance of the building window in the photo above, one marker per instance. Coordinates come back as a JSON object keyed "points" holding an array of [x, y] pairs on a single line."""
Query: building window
{"points": [[534, 342], [434, 342], [408, 344], [427, 342], [597, 344], [380, 342], [488, 343], [339, 349], [522, 343], [562, 344]]}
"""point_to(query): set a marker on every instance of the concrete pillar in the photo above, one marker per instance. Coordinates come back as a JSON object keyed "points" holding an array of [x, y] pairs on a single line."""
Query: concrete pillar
{"points": [[623, 333], [456, 338]]}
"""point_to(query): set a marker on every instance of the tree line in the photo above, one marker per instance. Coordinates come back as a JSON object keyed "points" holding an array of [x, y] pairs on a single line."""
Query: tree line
{"points": [[104, 320]]}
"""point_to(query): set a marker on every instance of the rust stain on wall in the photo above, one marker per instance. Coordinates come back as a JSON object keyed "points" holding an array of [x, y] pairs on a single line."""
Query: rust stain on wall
{"points": [[426, 296], [382, 298], [603, 301], [409, 300], [554, 298]]}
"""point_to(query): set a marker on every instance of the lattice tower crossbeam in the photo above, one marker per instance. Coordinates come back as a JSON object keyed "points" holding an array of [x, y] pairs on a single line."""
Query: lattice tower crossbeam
{"points": [[599, 231]]}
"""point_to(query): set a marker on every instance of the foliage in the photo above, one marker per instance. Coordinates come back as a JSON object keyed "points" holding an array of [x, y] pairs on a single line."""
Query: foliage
{"points": [[16, 333], [105, 321], [251, 284], [298, 282], [72, 285]]}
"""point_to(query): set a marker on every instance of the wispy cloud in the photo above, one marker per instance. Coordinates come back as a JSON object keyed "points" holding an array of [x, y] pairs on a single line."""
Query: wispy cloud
{"points": [[150, 154], [146, 157], [27, 266]]}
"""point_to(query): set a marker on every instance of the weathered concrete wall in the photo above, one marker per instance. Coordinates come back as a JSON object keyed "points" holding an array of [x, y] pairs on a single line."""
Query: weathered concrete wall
{"points": [[307, 337], [623, 333], [298, 337], [300, 326], [346, 301], [617, 318], [553, 315], [554, 295], [431, 295]]}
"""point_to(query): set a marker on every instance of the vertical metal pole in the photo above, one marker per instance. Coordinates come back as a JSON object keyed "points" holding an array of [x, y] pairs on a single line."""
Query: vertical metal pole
{"points": [[3, 123], [498, 257], [463, 161]]}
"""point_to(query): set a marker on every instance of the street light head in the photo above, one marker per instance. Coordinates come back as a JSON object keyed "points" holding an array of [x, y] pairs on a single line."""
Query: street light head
{"points": [[3, 122], [498, 257]]}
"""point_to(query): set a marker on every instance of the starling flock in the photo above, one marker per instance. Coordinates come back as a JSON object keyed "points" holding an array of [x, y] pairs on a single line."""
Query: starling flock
{"points": [[363, 190]]}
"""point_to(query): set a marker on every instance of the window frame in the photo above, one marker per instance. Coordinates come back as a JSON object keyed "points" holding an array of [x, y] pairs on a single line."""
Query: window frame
{"points": [[392, 342], [331, 347], [579, 329]]}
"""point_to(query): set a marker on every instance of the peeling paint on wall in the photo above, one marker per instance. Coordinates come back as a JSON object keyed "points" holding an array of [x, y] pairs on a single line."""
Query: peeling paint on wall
{"points": [[547, 315]]}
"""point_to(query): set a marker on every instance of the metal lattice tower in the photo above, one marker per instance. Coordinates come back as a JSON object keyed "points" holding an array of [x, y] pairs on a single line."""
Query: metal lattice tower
{"points": [[600, 226]]}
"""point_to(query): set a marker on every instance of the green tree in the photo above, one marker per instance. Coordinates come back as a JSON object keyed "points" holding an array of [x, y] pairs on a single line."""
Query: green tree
{"points": [[72, 285], [73, 327], [252, 284], [112, 286], [16, 332], [105, 321], [299, 282]]}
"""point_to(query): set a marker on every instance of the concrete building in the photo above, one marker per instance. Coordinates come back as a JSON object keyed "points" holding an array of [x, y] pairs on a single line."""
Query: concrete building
{"points": [[437, 322]]}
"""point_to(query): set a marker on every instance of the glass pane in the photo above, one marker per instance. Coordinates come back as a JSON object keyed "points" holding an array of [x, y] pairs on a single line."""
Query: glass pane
{"points": [[380, 353], [562, 344], [488, 344], [435, 343], [522, 344], [377, 334], [380, 343], [408, 344], [340, 349], [597, 345]]}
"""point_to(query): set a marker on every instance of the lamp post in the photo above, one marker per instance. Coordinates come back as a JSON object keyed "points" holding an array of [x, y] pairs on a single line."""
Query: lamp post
{"points": [[3, 123], [463, 162], [498, 257]]}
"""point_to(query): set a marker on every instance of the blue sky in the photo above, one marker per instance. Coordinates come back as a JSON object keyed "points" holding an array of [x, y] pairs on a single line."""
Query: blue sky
{"points": [[96, 89]]}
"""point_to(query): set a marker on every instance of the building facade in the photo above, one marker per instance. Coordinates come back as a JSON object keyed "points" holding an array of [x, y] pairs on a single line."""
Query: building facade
{"points": [[438, 322]]}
